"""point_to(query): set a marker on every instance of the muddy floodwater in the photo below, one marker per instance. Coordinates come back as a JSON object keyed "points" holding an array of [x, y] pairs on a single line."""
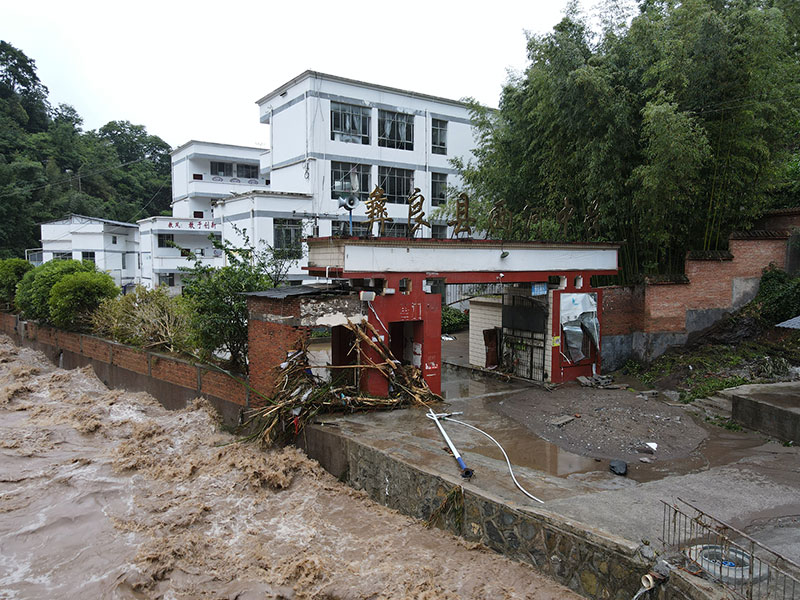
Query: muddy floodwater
{"points": [[105, 494]]}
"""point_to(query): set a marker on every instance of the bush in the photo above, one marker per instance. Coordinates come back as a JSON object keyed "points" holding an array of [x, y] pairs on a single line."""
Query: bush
{"points": [[33, 292], [453, 320], [11, 272], [778, 296], [76, 296], [145, 318]]}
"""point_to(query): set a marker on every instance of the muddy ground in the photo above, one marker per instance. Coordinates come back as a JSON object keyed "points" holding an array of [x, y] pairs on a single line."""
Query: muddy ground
{"points": [[104, 494], [608, 424]]}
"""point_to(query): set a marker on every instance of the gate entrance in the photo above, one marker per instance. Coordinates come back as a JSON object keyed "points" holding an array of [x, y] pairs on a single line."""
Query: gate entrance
{"points": [[524, 327]]}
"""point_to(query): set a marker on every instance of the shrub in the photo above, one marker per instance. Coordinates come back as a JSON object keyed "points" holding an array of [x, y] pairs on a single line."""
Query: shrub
{"points": [[778, 296], [453, 320], [145, 318], [11, 272], [76, 296], [33, 292]]}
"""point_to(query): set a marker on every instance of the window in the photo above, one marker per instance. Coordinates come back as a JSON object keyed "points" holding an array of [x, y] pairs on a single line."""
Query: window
{"points": [[165, 240], [395, 230], [350, 123], [438, 189], [288, 237], [395, 130], [342, 228], [247, 171], [396, 183], [439, 232], [221, 169], [198, 214], [439, 137], [346, 176], [113, 239], [124, 261], [166, 279], [197, 177], [87, 256], [62, 255]]}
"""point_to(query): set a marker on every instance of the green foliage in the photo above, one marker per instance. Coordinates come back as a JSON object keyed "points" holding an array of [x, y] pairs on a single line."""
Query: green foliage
{"points": [[150, 319], [219, 308], [50, 167], [33, 291], [668, 131], [76, 296], [453, 320], [708, 386], [778, 297], [11, 272]]}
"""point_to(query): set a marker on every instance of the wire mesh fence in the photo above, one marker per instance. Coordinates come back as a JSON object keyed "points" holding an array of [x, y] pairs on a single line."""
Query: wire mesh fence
{"points": [[742, 565]]}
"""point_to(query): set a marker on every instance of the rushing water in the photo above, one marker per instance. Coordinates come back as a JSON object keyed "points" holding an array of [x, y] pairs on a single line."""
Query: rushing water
{"points": [[104, 494]]}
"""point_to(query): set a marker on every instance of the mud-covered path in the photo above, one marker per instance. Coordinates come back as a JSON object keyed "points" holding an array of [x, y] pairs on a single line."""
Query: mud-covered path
{"points": [[104, 494]]}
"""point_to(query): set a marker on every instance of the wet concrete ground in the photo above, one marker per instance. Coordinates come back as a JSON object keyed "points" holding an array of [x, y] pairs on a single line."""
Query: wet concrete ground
{"points": [[740, 477]]}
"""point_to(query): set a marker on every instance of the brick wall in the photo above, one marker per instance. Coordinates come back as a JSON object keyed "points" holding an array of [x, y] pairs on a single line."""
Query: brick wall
{"points": [[131, 359], [96, 348], [154, 367], [623, 309], [268, 345], [174, 371], [222, 386]]}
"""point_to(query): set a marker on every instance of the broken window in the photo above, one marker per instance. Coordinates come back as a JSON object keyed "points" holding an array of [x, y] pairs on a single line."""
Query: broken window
{"points": [[350, 123], [580, 328], [396, 183], [439, 137], [395, 130], [349, 178]]}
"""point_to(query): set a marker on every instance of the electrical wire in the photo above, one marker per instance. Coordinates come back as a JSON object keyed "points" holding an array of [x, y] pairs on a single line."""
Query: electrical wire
{"points": [[508, 462]]}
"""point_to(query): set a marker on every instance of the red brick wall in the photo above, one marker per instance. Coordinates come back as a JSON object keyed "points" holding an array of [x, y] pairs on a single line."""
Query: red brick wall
{"points": [[69, 341], [45, 335], [130, 359], [662, 306], [223, 386], [96, 348], [31, 331], [268, 345], [173, 371], [8, 323], [623, 309]]}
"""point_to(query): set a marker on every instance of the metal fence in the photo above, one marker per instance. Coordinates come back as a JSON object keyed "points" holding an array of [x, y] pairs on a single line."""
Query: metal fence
{"points": [[744, 566]]}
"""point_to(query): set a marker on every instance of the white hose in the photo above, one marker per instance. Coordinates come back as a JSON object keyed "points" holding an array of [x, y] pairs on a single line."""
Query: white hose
{"points": [[508, 462]]}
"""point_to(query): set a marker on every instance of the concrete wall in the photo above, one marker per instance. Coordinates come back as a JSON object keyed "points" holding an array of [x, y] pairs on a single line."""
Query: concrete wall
{"points": [[171, 380]]}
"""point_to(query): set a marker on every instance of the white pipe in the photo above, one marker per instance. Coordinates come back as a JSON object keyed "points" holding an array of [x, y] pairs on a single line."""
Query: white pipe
{"points": [[465, 472]]}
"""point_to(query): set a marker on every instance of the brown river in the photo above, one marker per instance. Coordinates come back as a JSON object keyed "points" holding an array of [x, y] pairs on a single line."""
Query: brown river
{"points": [[105, 494]]}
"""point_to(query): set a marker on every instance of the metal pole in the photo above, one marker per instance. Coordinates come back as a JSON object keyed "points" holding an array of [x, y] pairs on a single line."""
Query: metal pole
{"points": [[465, 472]]}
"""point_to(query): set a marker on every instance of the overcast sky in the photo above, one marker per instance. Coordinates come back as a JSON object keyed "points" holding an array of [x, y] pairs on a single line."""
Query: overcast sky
{"points": [[193, 70]]}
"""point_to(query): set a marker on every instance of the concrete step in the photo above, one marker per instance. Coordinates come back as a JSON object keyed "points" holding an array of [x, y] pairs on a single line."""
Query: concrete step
{"points": [[717, 405]]}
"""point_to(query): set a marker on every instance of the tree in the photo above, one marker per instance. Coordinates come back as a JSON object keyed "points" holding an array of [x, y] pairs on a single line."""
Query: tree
{"points": [[217, 298], [33, 291], [12, 271], [667, 132]]}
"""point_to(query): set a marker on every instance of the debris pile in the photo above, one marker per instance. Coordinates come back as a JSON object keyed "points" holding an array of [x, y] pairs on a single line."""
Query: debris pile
{"points": [[605, 382], [300, 395]]}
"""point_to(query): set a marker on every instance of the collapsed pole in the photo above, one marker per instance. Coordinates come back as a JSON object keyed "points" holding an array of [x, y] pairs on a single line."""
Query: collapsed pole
{"points": [[465, 472]]}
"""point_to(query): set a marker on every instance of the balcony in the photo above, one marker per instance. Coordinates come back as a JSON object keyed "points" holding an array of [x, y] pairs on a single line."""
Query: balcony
{"points": [[173, 263], [216, 186]]}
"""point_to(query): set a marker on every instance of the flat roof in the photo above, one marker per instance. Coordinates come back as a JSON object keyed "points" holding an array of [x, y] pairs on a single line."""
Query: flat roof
{"points": [[73, 215], [218, 144], [385, 88]]}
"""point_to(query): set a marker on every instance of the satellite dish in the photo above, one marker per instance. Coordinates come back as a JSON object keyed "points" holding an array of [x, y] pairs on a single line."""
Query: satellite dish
{"points": [[348, 203]]}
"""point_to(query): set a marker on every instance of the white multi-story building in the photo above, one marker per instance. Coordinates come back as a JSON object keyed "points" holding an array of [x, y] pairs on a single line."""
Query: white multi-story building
{"points": [[330, 138], [112, 245]]}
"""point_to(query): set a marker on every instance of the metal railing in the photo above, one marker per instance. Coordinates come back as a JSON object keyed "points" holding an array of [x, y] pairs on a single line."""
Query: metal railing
{"points": [[742, 565]]}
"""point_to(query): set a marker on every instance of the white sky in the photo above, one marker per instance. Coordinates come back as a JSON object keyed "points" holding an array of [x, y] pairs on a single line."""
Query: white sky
{"points": [[194, 69]]}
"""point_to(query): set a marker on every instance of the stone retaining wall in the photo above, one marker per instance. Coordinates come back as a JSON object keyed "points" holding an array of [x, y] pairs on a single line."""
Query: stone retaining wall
{"points": [[593, 563]]}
